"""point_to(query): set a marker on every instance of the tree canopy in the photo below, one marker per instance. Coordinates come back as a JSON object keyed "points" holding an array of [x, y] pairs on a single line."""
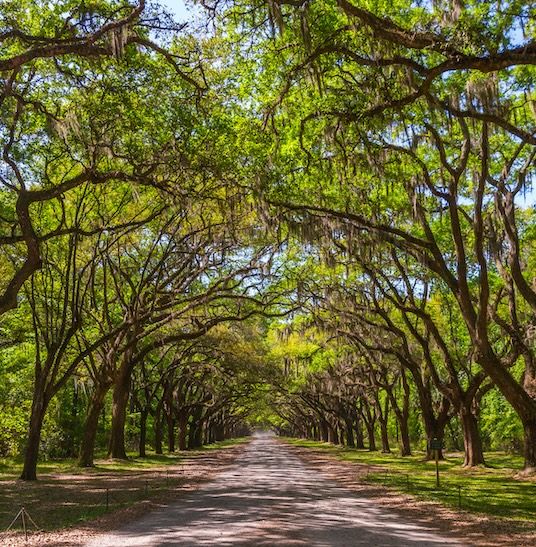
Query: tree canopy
{"points": [[314, 215]]}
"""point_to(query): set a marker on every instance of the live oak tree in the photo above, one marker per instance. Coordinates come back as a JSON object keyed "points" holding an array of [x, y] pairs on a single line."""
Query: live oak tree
{"points": [[58, 297], [60, 65], [406, 130]]}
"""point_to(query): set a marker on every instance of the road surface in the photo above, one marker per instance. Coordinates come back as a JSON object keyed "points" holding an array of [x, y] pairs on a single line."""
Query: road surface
{"points": [[269, 497]]}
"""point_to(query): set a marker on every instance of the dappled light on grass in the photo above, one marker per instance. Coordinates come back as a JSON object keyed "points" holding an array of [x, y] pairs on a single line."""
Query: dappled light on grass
{"points": [[68, 495], [494, 490]]}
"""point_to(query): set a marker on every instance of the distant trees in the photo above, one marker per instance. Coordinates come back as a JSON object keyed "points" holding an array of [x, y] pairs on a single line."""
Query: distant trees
{"points": [[127, 300]]}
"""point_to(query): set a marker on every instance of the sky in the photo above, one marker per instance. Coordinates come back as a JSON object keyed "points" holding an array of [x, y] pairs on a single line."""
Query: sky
{"points": [[177, 7]]}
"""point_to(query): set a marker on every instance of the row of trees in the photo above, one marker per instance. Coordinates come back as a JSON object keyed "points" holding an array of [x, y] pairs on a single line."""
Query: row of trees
{"points": [[123, 242], [164, 195], [402, 151]]}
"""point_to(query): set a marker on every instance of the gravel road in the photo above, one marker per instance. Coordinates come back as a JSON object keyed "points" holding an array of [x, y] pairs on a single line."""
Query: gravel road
{"points": [[269, 497]]}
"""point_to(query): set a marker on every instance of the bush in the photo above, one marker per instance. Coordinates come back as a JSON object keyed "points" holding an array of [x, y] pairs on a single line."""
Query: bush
{"points": [[13, 431]]}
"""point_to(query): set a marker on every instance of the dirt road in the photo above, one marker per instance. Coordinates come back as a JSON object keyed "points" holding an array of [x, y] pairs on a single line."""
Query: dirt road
{"points": [[269, 497]]}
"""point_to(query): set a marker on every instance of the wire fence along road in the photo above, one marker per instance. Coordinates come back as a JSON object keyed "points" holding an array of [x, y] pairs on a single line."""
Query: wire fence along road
{"points": [[500, 498], [87, 500]]}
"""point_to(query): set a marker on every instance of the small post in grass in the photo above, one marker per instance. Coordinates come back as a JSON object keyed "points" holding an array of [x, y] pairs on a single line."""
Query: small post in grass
{"points": [[437, 467]]}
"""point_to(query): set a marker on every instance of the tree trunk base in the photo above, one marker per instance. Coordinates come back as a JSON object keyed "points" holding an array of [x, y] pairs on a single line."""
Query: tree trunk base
{"points": [[468, 465], [527, 472]]}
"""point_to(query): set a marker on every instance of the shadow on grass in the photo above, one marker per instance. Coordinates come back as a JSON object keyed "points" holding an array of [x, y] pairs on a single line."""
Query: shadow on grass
{"points": [[492, 490], [66, 495]]}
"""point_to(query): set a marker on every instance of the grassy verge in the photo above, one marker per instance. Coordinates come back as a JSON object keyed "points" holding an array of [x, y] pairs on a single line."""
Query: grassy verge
{"points": [[66, 495], [11, 468], [493, 490]]}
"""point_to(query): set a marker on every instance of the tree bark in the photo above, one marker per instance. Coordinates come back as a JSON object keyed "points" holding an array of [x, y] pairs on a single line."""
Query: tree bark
{"points": [[31, 453], [349, 433], [219, 431], [143, 433], [87, 446], [474, 455], [405, 443], [530, 446], [359, 437], [434, 426], [198, 436], [371, 438], [520, 400], [402, 416], [386, 449], [158, 433], [119, 413], [183, 430], [170, 421], [383, 417], [324, 431], [333, 438], [369, 417], [195, 431]]}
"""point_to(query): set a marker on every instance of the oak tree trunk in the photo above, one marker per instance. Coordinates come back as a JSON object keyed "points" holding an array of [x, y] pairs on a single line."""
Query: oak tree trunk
{"points": [[31, 453], [183, 430], [530, 445], [170, 422], [87, 446], [386, 449], [371, 438], [359, 437], [158, 430], [117, 449], [349, 433], [143, 433], [474, 454]]}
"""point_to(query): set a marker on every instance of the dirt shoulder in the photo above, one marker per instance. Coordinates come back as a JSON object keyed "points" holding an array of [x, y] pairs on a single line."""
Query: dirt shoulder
{"points": [[130, 495], [470, 528]]}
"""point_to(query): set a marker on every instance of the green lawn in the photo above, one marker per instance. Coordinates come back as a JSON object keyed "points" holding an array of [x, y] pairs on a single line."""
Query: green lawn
{"points": [[493, 490], [12, 467]]}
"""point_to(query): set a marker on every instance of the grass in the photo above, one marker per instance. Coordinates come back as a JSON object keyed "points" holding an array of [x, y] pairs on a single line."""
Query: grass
{"points": [[496, 490], [12, 467], [224, 444], [65, 495]]}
